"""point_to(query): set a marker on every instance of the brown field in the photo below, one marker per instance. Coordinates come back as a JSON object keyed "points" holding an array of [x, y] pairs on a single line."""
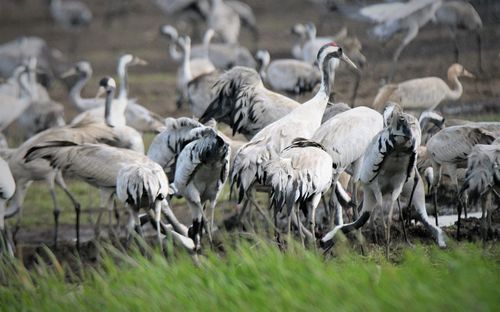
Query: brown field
{"points": [[154, 85]]}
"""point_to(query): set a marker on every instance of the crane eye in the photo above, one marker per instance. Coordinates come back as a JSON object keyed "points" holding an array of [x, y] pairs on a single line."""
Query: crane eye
{"points": [[160, 197]]}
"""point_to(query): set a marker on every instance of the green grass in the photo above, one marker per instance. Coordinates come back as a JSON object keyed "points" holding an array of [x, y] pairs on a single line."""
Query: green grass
{"points": [[259, 277]]}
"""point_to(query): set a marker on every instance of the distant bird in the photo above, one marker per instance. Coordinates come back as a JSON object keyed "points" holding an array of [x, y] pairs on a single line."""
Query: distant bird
{"points": [[42, 112], [299, 175], [395, 17], [72, 15], [451, 146], [388, 163], [201, 171], [310, 46], [481, 180], [222, 55], [300, 122], [126, 110], [241, 101], [190, 69], [457, 15], [50, 62], [423, 93], [247, 17], [7, 189], [345, 138], [136, 115], [13, 106], [224, 20], [86, 131], [287, 75], [201, 92], [41, 115]]}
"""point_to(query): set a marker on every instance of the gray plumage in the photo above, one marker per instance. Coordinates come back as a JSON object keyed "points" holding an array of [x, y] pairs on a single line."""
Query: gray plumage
{"points": [[224, 20], [423, 93], [298, 177], [50, 62], [392, 18], [303, 121], [201, 171], [461, 15], [242, 102], [451, 146], [481, 179], [70, 14], [388, 163], [167, 145], [288, 75], [7, 189]]}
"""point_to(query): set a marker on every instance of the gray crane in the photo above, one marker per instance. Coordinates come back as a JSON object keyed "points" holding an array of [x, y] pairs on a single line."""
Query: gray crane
{"points": [[302, 121], [451, 146], [388, 163], [481, 180], [287, 75], [7, 189], [241, 101], [299, 175], [200, 172]]}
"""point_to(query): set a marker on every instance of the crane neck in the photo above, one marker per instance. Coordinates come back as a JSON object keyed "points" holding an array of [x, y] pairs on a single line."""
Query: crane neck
{"points": [[174, 53], [108, 112], [123, 76], [456, 89], [75, 94], [314, 109], [186, 63], [207, 38], [24, 86]]}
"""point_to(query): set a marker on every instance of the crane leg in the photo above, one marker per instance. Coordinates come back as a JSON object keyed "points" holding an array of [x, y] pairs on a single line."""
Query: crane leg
{"points": [[434, 199], [312, 215], [172, 219], [418, 201], [299, 225], [410, 35], [325, 242], [479, 52], [388, 229], [62, 184], [403, 223], [56, 211]]}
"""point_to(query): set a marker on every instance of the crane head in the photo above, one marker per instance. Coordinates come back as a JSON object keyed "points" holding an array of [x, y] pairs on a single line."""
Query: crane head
{"points": [[333, 51], [403, 127]]}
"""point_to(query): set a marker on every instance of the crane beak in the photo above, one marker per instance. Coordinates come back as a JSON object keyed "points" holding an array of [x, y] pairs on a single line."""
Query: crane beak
{"points": [[349, 62], [69, 72], [139, 61], [468, 74], [100, 92]]}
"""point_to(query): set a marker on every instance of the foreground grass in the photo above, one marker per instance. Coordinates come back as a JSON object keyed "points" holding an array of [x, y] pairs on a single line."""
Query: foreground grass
{"points": [[260, 277]]}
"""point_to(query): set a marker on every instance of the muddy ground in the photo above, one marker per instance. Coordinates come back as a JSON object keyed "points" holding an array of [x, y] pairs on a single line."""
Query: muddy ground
{"points": [[137, 32]]}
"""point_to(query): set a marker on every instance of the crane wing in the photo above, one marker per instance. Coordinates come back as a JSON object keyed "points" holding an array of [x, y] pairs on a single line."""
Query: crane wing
{"points": [[386, 12]]}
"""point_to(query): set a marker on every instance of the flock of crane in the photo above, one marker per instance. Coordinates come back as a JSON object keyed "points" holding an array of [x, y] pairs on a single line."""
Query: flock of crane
{"points": [[299, 153]]}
